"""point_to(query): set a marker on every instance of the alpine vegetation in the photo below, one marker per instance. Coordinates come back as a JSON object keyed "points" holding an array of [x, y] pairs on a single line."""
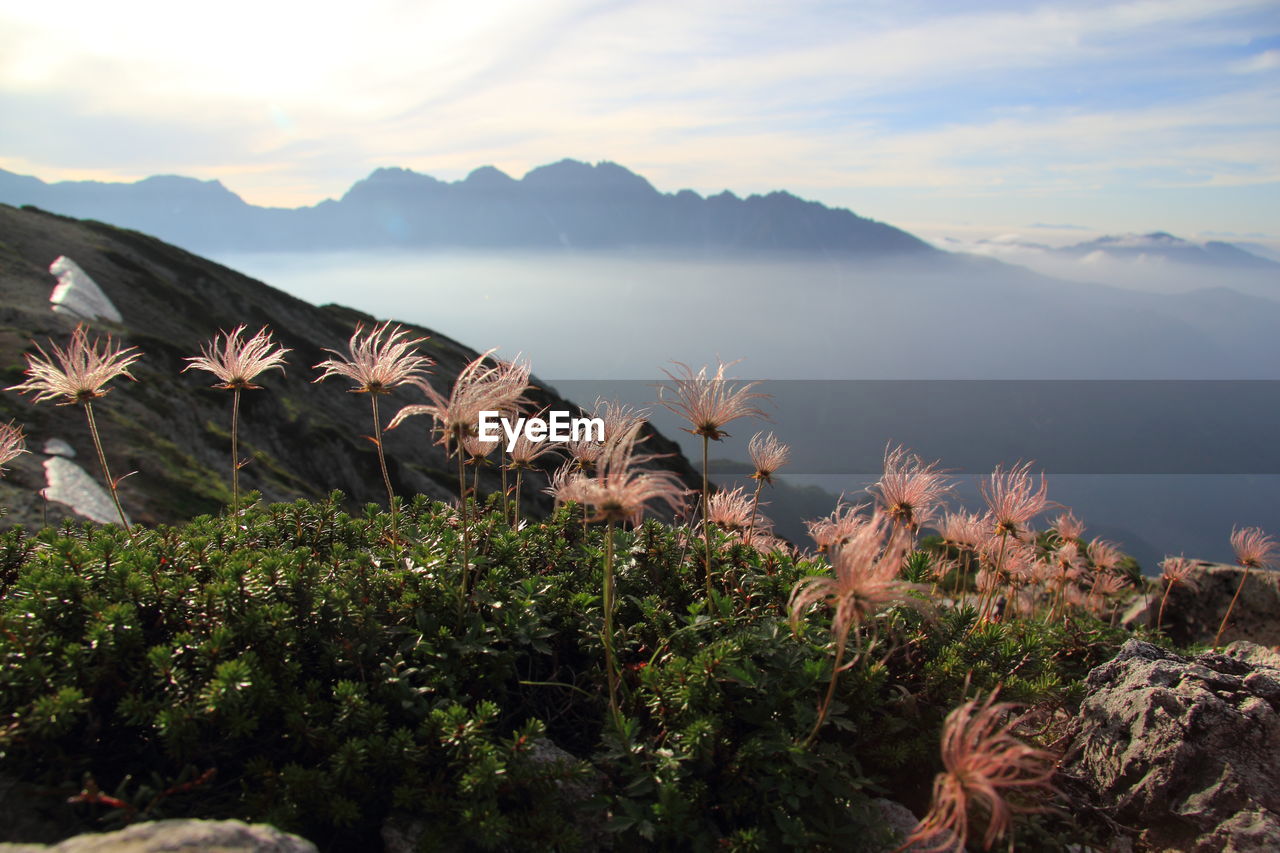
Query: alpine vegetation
{"points": [[236, 364], [80, 376]]}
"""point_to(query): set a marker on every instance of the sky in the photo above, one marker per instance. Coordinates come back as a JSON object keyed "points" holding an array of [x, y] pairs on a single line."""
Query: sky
{"points": [[966, 119]]}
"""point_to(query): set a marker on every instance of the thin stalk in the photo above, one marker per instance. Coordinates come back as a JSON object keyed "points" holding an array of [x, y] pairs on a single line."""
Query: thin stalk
{"points": [[466, 542], [706, 523], [984, 601], [102, 460], [755, 503], [506, 506], [609, 663], [1163, 599], [382, 462], [831, 692], [1217, 639], [235, 451], [519, 478]]}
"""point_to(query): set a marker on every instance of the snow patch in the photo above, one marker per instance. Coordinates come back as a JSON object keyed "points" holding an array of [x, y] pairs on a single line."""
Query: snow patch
{"points": [[58, 447], [76, 293], [71, 485]]}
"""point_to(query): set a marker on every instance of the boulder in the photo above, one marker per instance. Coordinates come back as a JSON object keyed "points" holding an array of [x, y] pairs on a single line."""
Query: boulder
{"points": [[1185, 750], [1192, 614], [178, 836]]}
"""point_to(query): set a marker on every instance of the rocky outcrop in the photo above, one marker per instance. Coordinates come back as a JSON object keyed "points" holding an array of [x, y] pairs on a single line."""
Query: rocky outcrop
{"points": [[1186, 751], [178, 836], [1194, 610]]}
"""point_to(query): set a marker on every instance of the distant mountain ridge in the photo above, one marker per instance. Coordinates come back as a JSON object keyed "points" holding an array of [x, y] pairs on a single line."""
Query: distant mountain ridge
{"points": [[1160, 244], [568, 204]]}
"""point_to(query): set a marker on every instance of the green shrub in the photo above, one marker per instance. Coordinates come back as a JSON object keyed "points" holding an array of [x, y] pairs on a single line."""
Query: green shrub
{"points": [[300, 665]]}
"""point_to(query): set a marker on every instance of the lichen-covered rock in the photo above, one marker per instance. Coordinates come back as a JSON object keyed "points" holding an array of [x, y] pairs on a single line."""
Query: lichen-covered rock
{"points": [[1192, 613], [1187, 751], [178, 836]]}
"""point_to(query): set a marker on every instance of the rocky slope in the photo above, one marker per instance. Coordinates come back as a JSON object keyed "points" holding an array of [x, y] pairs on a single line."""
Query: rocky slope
{"points": [[171, 428]]}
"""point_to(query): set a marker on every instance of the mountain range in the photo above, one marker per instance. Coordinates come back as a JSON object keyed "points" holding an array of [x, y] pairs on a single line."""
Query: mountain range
{"points": [[568, 204]]}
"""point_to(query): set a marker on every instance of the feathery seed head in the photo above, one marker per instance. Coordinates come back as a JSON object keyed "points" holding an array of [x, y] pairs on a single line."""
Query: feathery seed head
{"points": [[1013, 499], [1104, 555], [1068, 526], [983, 761], [81, 372], [767, 455], [730, 510], [964, 529], [832, 531], [480, 387], [12, 443], [238, 362], [709, 402], [864, 579], [909, 490], [377, 364], [620, 488], [1254, 549], [1177, 570]]}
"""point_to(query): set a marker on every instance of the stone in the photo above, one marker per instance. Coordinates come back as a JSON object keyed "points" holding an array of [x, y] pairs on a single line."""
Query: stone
{"points": [[178, 836], [1186, 751], [1192, 614]]}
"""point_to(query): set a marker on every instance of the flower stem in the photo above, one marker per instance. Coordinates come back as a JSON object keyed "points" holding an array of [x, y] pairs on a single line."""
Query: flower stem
{"points": [[706, 523], [609, 663], [831, 692], [755, 504], [466, 543], [519, 478], [235, 452], [102, 460], [1217, 639], [382, 463], [1163, 599]]}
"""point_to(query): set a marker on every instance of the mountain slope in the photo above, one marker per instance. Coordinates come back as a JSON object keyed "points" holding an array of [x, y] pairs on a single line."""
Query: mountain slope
{"points": [[172, 428], [565, 204]]}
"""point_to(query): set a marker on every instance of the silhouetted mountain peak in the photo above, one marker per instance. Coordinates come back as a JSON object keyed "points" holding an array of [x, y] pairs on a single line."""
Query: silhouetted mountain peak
{"points": [[391, 181], [578, 177], [489, 177]]}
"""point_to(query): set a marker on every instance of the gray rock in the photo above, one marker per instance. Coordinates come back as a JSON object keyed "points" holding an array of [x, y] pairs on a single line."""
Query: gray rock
{"points": [[178, 836], [1187, 751], [902, 822], [1192, 615]]}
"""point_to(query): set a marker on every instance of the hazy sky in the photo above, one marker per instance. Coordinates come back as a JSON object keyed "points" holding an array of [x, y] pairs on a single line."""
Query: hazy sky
{"points": [[939, 116]]}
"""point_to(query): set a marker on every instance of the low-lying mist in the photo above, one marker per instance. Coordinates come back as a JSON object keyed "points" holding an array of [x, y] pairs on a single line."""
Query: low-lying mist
{"points": [[1164, 467]]}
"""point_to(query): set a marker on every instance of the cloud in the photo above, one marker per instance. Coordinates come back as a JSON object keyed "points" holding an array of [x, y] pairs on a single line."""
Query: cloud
{"points": [[1268, 60], [828, 101]]}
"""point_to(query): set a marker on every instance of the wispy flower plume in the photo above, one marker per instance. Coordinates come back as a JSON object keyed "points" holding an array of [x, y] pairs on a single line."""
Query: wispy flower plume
{"points": [[12, 444], [383, 358], [236, 363], [909, 490], [983, 763], [708, 403], [81, 374], [1254, 550]]}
